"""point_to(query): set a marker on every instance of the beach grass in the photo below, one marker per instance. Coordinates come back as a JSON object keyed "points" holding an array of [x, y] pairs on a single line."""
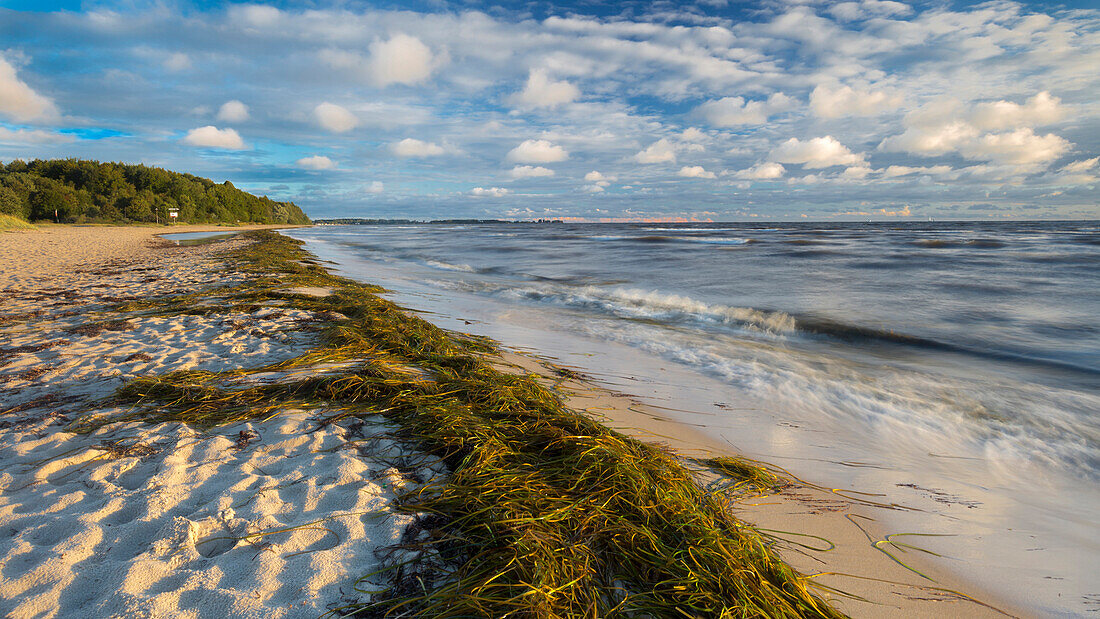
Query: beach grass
{"points": [[544, 511], [11, 222]]}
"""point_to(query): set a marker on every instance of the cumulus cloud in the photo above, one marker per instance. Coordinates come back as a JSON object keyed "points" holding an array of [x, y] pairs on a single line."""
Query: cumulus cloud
{"points": [[694, 171], [814, 153], [945, 126], [856, 172], [403, 59], [374, 187], [233, 111], [1020, 147], [693, 134], [537, 151], [1041, 109], [595, 176], [763, 171], [526, 171], [212, 137], [593, 188], [334, 118], [828, 102], [411, 147], [661, 151], [936, 139], [541, 91], [18, 101], [735, 111], [489, 192], [316, 162]]}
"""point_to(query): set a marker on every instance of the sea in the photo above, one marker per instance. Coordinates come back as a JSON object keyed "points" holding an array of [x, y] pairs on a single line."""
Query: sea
{"points": [[950, 367]]}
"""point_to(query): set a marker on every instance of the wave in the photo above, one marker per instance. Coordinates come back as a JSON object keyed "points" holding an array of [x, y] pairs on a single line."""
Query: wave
{"points": [[692, 229], [945, 243], [657, 238], [649, 305], [447, 266]]}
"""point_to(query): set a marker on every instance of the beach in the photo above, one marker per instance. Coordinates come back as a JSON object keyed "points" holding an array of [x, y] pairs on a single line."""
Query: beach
{"points": [[280, 514]]}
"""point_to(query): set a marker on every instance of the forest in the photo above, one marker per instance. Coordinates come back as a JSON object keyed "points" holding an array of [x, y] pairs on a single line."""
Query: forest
{"points": [[80, 191]]}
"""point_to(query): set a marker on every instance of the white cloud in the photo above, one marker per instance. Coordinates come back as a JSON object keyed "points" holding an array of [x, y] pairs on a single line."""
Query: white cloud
{"points": [[903, 170], [537, 151], [334, 118], [944, 126], [403, 59], [1079, 172], [596, 176], [593, 188], [1080, 166], [374, 187], [820, 152], [255, 15], [661, 151], [32, 136], [489, 192], [931, 140], [695, 171], [851, 11], [1019, 147], [18, 101], [411, 147], [316, 162], [857, 172], [233, 111], [177, 62], [212, 137], [1042, 109], [693, 134], [526, 171], [829, 102], [734, 111], [763, 171], [540, 91]]}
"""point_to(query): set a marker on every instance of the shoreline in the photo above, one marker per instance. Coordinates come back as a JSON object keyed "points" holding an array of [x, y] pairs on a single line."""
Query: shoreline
{"points": [[621, 411]]}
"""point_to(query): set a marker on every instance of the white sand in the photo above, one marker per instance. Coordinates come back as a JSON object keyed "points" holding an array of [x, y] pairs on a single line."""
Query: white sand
{"points": [[165, 520]]}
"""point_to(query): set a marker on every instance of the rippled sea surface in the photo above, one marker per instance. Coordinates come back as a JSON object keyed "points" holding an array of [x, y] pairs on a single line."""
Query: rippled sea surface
{"points": [[959, 361]]}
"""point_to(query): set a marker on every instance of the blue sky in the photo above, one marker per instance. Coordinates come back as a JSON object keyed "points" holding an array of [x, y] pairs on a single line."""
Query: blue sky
{"points": [[715, 110]]}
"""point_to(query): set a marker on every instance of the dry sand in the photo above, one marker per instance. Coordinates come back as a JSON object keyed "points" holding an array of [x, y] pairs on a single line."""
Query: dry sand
{"points": [[155, 520], [164, 520]]}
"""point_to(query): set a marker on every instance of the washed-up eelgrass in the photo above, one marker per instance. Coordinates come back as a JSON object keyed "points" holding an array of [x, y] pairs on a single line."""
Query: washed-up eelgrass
{"points": [[544, 512]]}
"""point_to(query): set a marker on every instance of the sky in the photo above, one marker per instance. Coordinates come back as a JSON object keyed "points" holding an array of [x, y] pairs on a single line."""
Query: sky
{"points": [[602, 111]]}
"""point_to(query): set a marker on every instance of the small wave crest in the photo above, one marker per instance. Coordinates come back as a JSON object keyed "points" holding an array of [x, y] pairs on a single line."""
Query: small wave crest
{"points": [[652, 305], [658, 238], [447, 266]]}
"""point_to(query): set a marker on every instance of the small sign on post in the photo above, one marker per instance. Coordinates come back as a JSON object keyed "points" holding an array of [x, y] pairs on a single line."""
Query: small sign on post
{"points": [[173, 213]]}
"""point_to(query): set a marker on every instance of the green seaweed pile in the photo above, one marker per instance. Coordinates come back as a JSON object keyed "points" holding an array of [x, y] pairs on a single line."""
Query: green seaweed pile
{"points": [[544, 513]]}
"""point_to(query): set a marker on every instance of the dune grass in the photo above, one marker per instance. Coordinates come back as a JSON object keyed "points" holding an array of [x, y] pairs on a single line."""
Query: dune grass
{"points": [[11, 222], [544, 513]]}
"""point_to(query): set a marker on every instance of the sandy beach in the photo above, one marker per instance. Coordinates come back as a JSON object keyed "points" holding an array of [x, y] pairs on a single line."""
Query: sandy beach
{"points": [[278, 517]]}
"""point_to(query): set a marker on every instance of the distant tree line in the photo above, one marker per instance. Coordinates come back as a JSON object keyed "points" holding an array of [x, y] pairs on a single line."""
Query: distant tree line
{"points": [[80, 191]]}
